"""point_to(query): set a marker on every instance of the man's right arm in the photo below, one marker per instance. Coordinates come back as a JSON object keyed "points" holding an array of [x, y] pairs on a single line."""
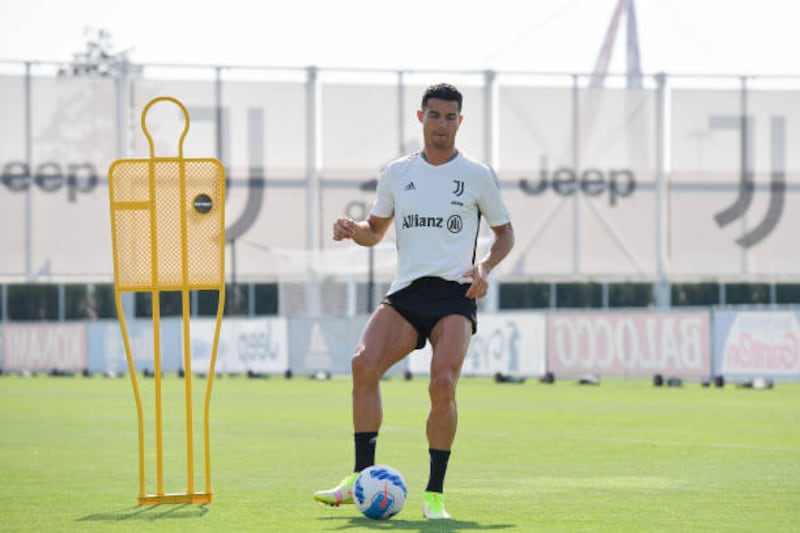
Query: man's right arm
{"points": [[366, 232]]}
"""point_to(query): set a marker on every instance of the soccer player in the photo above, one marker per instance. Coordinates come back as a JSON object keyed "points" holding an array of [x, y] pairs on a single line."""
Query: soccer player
{"points": [[436, 198]]}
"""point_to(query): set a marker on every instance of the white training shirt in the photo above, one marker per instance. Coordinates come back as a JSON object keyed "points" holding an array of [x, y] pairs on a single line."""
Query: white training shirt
{"points": [[437, 210]]}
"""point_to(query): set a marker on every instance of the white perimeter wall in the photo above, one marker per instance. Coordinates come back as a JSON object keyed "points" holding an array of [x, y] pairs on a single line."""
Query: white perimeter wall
{"points": [[693, 344]]}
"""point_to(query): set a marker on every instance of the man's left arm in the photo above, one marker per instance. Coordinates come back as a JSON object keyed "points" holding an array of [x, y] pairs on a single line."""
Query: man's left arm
{"points": [[502, 245]]}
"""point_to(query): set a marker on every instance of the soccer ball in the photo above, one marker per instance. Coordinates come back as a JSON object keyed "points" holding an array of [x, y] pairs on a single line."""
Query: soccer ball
{"points": [[380, 492]]}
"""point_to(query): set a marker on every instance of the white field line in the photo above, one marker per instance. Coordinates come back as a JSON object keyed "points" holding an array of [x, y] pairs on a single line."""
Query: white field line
{"points": [[689, 444]]}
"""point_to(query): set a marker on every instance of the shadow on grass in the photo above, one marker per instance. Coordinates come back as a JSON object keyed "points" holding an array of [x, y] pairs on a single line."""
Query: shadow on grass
{"points": [[149, 513], [399, 524]]}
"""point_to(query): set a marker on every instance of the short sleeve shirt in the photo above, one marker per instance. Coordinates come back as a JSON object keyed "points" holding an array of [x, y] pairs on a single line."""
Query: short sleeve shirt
{"points": [[437, 211]]}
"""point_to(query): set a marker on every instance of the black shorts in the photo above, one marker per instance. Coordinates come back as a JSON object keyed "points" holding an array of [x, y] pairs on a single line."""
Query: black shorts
{"points": [[429, 299]]}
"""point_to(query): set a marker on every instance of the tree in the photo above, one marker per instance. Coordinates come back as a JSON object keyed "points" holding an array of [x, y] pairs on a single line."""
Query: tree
{"points": [[98, 59]]}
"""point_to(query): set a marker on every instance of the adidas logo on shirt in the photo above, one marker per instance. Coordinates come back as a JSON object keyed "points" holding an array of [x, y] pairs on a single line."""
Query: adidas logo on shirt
{"points": [[410, 187]]}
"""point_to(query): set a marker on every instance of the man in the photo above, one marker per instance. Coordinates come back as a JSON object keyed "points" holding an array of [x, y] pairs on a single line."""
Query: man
{"points": [[436, 198]]}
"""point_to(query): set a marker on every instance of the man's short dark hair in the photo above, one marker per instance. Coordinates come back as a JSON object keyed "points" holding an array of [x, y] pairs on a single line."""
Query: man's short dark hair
{"points": [[442, 91]]}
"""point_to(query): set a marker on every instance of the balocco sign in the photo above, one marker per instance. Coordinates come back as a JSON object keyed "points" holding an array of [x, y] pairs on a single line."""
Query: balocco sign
{"points": [[623, 344]]}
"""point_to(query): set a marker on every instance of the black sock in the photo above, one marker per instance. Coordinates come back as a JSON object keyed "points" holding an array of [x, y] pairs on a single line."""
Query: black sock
{"points": [[439, 460], [365, 449]]}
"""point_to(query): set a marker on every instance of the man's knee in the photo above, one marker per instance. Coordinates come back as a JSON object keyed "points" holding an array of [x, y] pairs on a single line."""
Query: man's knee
{"points": [[442, 387], [364, 367]]}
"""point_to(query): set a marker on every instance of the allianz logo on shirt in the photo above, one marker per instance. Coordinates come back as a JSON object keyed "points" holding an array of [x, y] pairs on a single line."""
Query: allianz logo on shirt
{"points": [[417, 221], [454, 222]]}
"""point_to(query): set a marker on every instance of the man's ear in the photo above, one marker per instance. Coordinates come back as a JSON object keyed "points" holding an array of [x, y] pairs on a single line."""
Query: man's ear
{"points": [[420, 114]]}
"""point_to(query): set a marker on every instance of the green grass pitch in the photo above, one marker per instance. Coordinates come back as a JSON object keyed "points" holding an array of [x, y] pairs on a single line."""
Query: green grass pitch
{"points": [[618, 457]]}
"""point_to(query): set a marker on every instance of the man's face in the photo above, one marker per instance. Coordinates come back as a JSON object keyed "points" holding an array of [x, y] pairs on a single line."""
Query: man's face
{"points": [[440, 121]]}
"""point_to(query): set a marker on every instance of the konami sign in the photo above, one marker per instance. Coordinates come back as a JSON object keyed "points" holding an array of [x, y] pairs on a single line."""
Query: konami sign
{"points": [[629, 343], [38, 347]]}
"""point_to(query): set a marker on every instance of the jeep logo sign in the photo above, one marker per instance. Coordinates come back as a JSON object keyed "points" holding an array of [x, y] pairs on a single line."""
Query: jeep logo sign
{"points": [[566, 181], [50, 176]]}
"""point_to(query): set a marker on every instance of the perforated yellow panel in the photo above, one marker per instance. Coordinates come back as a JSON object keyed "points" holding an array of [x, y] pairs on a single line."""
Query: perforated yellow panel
{"points": [[163, 236]]}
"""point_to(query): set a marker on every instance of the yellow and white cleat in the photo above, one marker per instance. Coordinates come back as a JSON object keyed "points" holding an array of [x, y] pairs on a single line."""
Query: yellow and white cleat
{"points": [[433, 506], [340, 494]]}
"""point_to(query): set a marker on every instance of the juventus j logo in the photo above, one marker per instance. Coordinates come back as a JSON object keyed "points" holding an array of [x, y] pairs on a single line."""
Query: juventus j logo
{"points": [[459, 190], [777, 186], [255, 180]]}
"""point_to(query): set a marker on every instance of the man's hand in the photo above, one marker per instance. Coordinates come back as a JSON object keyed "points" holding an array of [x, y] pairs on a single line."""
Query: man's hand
{"points": [[480, 281], [344, 228]]}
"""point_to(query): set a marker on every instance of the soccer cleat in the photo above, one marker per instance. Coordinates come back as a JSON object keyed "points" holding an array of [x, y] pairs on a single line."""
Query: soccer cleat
{"points": [[341, 493], [433, 506]]}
